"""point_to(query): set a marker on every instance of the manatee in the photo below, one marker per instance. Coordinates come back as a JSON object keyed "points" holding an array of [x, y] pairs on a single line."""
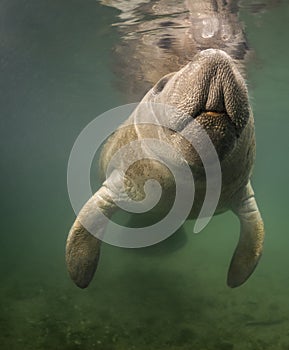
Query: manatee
{"points": [[209, 91]]}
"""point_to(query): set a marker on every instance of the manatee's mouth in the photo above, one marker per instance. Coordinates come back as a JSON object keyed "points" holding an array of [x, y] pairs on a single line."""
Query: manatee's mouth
{"points": [[221, 130], [212, 114], [215, 114], [215, 117], [217, 121]]}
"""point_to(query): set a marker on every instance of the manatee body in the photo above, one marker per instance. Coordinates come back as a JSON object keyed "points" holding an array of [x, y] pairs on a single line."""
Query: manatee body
{"points": [[208, 91]]}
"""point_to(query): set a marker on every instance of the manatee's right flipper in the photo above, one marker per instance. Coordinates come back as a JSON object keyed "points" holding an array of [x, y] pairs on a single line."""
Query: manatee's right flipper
{"points": [[250, 245], [84, 239]]}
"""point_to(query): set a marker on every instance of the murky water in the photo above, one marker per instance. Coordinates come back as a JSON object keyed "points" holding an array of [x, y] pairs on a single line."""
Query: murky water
{"points": [[55, 78]]}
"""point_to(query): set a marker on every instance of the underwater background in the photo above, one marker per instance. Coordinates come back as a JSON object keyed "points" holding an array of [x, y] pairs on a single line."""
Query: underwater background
{"points": [[55, 78]]}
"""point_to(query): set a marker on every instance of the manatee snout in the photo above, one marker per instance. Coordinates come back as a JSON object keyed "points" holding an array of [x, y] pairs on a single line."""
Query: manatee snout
{"points": [[212, 83], [211, 91], [226, 90]]}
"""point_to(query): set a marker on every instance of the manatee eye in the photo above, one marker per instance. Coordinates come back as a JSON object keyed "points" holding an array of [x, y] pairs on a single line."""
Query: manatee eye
{"points": [[162, 83]]}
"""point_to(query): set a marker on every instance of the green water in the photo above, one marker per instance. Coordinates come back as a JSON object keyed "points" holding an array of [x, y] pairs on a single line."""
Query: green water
{"points": [[55, 78]]}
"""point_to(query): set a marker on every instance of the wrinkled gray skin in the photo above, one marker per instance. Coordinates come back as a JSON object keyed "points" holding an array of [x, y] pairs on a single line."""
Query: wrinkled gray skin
{"points": [[211, 91]]}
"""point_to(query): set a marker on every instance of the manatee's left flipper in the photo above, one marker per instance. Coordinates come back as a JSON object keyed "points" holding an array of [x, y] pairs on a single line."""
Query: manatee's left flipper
{"points": [[84, 239], [250, 245], [82, 254]]}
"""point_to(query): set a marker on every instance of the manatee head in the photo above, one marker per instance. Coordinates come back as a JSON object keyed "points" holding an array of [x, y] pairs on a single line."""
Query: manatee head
{"points": [[210, 90]]}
